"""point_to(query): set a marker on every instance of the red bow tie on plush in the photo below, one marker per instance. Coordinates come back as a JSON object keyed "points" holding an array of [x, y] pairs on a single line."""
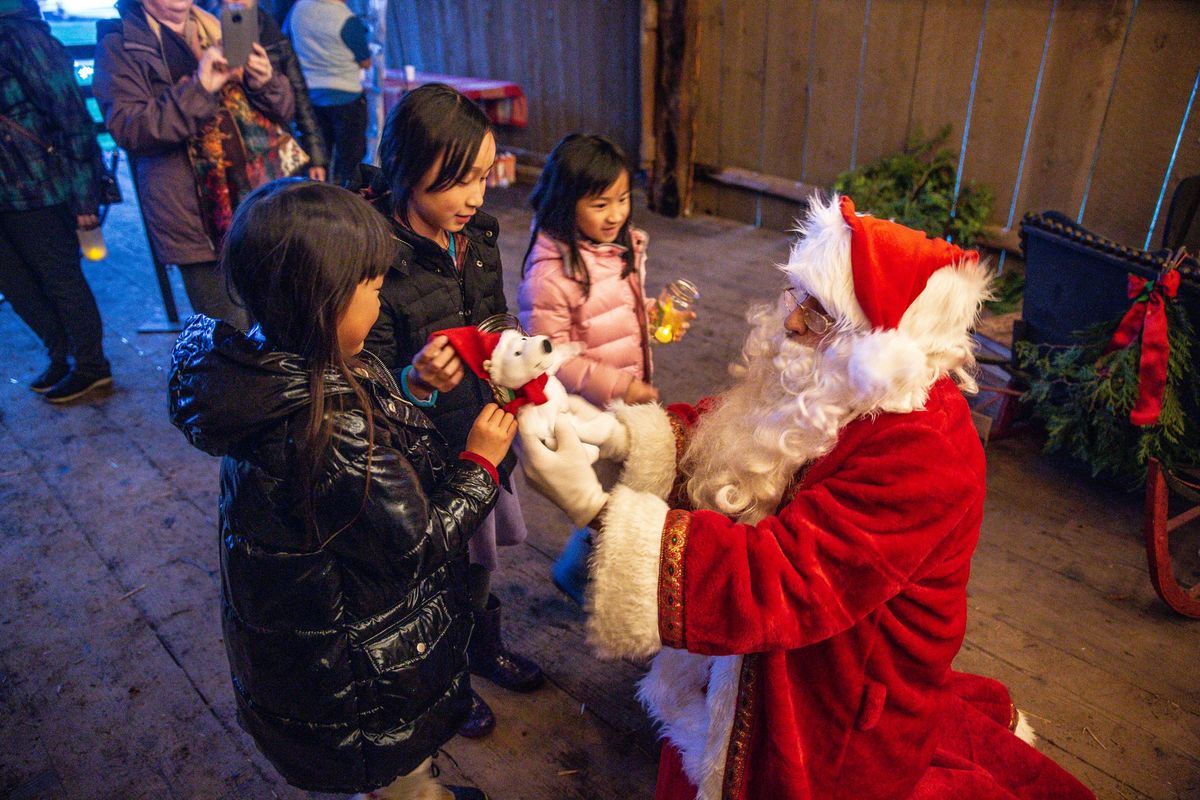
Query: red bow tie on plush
{"points": [[475, 347]]}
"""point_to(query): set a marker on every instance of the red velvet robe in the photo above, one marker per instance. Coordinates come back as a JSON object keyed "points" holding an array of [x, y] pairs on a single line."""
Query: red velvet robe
{"points": [[849, 606]]}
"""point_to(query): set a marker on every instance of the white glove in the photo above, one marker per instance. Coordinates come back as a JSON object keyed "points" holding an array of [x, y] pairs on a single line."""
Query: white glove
{"points": [[564, 474], [600, 428]]}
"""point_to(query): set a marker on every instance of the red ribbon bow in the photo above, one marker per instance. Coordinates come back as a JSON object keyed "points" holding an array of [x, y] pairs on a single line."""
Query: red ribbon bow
{"points": [[1148, 317]]}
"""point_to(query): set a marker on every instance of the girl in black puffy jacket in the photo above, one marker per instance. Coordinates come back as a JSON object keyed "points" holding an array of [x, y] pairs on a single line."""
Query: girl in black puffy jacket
{"points": [[343, 519], [436, 153]]}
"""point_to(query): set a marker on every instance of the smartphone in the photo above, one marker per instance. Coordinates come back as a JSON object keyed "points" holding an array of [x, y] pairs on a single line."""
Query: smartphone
{"points": [[239, 32]]}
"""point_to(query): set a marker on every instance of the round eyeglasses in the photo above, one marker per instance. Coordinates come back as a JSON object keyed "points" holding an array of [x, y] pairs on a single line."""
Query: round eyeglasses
{"points": [[814, 320]]}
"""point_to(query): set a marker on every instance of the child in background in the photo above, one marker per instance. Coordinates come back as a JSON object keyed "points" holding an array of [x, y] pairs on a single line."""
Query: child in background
{"points": [[333, 47], [343, 520], [437, 151], [584, 281]]}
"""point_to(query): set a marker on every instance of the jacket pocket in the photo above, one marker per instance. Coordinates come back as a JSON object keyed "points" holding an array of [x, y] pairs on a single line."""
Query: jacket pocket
{"points": [[411, 639], [413, 663], [871, 708]]}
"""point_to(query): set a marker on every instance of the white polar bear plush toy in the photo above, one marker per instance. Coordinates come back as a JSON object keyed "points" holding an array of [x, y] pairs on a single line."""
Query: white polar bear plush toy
{"points": [[521, 369], [526, 365]]}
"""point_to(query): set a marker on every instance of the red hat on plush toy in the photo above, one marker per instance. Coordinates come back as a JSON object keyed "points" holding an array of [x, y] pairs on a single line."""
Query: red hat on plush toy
{"points": [[475, 347], [472, 345], [901, 297]]}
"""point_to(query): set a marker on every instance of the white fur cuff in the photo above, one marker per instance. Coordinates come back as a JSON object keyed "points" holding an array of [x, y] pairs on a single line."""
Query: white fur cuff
{"points": [[1024, 730], [650, 466], [623, 593]]}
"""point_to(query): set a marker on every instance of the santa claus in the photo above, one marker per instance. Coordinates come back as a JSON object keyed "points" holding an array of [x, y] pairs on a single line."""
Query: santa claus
{"points": [[795, 552]]}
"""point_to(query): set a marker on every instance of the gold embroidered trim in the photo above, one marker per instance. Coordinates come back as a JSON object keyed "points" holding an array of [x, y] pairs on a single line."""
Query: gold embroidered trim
{"points": [[678, 495], [739, 738], [680, 431], [670, 578]]}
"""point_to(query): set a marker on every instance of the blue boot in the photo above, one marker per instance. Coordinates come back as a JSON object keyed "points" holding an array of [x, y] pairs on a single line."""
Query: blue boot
{"points": [[570, 571]]}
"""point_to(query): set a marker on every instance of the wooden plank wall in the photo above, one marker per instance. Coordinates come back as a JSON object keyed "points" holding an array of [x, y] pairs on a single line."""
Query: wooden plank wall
{"points": [[1082, 106], [578, 62]]}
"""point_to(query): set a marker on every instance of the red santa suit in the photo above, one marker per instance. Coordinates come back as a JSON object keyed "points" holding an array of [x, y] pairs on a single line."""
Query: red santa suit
{"points": [[808, 655]]}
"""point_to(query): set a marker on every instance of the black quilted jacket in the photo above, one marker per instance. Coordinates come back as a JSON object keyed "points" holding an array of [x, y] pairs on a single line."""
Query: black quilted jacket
{"points": [[347, 648], [423, 293]]}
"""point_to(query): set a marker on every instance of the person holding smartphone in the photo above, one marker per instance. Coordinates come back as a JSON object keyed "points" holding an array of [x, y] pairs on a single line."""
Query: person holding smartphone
{"points": [[160, 75], [305, 125]]}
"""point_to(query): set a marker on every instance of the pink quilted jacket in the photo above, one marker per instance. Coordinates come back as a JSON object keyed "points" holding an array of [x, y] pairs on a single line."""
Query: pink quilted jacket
{"points": [[611, 322]]}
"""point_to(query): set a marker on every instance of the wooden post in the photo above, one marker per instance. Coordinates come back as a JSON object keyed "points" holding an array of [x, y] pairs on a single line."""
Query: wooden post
{"points": [[648, 41], [675, 77]]}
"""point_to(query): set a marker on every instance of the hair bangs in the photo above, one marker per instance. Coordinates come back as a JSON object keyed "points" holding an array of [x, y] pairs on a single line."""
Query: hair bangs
{"points": [[430, 123], [457, 159], [597, 172]]}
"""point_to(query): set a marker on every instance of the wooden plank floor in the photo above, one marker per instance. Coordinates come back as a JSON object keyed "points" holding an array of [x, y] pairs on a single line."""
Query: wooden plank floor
{"points": [[113, 679]]}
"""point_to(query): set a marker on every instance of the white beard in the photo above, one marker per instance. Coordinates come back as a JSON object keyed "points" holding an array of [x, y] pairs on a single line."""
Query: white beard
{"points": [[784, 413]]}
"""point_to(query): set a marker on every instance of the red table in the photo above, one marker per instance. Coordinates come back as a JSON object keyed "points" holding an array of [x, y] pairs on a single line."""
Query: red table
{"points": [[502, 101]]}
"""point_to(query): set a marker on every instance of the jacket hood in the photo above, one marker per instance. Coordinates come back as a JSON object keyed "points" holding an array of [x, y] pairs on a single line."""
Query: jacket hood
{"points": [[227, 386]]}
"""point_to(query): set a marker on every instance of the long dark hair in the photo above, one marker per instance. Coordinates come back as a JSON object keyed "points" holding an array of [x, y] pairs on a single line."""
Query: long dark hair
{"points": [[296, 251], [430, 121], [580, 165]]}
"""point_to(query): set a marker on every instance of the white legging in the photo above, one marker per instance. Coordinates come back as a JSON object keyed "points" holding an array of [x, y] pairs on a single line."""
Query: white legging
{"points": [[416, 785]]}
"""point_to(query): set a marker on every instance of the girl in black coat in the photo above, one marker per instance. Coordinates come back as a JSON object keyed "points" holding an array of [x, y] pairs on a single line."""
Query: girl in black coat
{"points": [[437, 151], [343, 518]]}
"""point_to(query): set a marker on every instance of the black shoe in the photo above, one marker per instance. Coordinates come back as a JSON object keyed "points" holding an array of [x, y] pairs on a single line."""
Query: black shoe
{"points": [[489, 658], [480, 719], [52, 375], [459, 792], [76, 385]]}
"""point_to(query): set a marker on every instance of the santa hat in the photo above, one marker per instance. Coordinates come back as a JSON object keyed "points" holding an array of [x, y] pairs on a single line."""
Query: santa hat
{"points": [[905, 301], [472, 345]]}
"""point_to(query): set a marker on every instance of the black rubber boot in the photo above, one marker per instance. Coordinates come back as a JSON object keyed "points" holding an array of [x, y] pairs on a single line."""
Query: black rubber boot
{"points": [[480, 719], [489, 658], [467, 793]]}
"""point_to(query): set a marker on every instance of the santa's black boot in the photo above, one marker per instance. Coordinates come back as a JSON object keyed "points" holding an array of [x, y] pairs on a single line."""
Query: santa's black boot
{"points": [[489, 658]]}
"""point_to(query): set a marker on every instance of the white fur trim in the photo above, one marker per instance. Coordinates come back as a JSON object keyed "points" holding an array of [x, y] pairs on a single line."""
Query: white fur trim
{"points": [[942, 316], [650, 465], [1024, 730], [698, 722], [892, 369], [622, 598], [819, 262], [889, 371]]}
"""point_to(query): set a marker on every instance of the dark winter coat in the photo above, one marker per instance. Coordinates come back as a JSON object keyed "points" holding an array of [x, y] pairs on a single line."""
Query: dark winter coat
{"points": [[153, 118], [423, 292], [347, 647], [38, 93]]}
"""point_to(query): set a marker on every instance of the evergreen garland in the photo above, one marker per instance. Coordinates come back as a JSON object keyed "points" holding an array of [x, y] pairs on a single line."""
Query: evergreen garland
{"points": [[916, 189], [1085, 398]]}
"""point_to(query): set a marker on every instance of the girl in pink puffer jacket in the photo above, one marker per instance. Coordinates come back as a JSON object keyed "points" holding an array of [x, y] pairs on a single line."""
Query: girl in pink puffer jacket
{"points": [[584, 274], [583, 281]]}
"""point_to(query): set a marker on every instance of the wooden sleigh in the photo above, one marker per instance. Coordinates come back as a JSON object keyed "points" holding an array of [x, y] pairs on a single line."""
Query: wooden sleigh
{"points": [[1158, 526]]}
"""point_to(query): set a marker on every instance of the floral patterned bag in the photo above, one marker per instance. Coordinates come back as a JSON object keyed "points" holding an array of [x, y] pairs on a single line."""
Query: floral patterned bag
{"points": [[237, 151]]}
